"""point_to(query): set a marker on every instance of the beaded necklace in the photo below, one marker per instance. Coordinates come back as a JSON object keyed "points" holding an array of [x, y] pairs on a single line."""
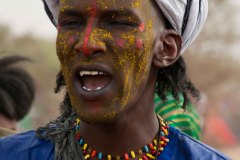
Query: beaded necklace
{"points": [[147, 152]]}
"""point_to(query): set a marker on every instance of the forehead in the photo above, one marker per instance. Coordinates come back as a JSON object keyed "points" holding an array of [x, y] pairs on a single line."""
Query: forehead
{"points": [[106, 4]]}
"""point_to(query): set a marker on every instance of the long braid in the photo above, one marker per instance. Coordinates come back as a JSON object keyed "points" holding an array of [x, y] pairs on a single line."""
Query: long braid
{"points": [[61, 130]]}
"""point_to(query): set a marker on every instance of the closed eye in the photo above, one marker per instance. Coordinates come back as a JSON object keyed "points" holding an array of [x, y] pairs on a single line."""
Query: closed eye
{"points": [[122, 23], [71, 24]]}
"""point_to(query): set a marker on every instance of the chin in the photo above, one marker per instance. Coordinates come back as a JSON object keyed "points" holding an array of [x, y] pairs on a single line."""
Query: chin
{"points": [[99, 118]]}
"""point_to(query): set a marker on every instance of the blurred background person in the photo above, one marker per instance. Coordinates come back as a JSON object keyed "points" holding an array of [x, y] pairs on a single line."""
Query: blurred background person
{"points": [[16, 93]]}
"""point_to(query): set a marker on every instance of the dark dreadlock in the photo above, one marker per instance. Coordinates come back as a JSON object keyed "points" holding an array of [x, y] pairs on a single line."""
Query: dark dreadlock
{"points": [[174, 79], [61, 131], [16, 88]]}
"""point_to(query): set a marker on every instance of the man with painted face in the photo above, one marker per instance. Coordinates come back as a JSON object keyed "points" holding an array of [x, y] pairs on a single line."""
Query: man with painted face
{"points": [[114, 55]]}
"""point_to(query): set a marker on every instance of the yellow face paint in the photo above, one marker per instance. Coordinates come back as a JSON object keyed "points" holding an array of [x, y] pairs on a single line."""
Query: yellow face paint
{"points": [[112, 36]]}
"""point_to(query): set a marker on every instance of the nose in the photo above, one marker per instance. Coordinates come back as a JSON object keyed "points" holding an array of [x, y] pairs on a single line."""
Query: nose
{"points": [[90, 46]]}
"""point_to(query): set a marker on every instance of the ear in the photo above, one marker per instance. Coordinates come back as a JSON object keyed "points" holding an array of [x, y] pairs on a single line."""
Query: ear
{"points": [[167, 48]]}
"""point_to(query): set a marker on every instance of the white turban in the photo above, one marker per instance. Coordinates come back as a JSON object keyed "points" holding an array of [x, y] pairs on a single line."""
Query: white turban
{"points": [[187, 17]]}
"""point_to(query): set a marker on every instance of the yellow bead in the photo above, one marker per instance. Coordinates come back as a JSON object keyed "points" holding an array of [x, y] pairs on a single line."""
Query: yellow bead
{"points": [[87, 156], [118, 157], [161, 148], [165, 131], [133, 154], [162, 142], [140, 159], [155, 142], [85, 146], [163, 124], [78, 120], [150, 156], [109, 157], [139, 151], [155, 148]]}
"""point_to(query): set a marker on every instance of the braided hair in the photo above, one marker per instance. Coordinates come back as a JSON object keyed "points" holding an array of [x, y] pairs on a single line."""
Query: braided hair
{"points": [[16, 88]]}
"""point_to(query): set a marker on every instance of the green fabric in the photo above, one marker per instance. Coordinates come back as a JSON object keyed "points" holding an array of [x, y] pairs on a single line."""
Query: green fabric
{"points": [[171, 111]]}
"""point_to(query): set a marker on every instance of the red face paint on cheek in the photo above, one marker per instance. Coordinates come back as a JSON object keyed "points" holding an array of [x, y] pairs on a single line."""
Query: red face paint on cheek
{"points": [[142, 27], [139, 43], [93, 12], [120, 42], [71, 40]]}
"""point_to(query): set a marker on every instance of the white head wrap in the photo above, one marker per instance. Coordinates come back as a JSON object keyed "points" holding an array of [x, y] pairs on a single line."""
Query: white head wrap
{"points": [[187, 17]]}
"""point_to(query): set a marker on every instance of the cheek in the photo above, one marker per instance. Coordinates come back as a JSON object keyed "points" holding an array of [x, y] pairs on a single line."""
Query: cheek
{"points": [[71, 41], [139, 44], [141, 27], [65, 44], [120, 42]]}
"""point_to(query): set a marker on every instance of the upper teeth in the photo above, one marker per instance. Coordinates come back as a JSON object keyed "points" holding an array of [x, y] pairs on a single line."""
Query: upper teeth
{"points": [[87, 73]]}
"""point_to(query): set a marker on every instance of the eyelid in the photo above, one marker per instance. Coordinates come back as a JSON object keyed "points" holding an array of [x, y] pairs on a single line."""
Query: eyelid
{"points": [[71, 23], [124, 22]]}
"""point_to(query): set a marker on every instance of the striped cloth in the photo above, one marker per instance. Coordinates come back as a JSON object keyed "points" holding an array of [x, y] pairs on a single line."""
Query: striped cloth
{"points": [[170, 110]]}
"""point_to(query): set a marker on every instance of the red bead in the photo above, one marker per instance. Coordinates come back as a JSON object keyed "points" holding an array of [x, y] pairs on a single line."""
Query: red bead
{"points": [[93, 153], [126, 156], [145, 157], [151, 145], [163, 139], [166, 127], [153, 151], [164, 145]]}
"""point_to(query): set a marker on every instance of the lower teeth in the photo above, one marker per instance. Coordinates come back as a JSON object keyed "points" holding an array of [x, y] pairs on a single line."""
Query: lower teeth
{"points": [[88, 89]]}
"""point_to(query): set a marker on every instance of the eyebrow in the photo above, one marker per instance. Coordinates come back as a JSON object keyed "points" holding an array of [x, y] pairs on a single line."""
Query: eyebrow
{"points": [[70, 12], [121, 12]]}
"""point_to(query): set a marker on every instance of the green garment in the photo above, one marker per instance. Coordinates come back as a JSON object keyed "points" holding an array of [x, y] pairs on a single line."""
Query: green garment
{"points": [[170, 110]]}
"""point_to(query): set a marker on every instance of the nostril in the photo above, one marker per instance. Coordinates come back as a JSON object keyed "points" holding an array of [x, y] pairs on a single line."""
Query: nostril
{"points": [[90, 49]]}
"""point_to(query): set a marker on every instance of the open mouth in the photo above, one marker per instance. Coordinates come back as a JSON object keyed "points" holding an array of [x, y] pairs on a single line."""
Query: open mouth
{"points": [[94, 80]]}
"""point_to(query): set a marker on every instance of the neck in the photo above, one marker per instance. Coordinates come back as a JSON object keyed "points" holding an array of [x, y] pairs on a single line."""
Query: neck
{"points": [[135, 129], [127, 134]]}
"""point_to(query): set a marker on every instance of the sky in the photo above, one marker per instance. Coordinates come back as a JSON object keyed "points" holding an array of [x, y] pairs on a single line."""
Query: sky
{"points": [[24, 16]]}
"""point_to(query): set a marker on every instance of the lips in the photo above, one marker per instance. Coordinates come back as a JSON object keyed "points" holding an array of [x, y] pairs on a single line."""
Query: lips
{"points": [[93, 81]]}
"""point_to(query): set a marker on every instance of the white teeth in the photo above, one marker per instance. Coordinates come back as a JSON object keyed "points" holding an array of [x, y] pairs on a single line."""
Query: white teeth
{"points": [[91, 73], [87, 73], [99, 88], [101, 73], [88, 89]]}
